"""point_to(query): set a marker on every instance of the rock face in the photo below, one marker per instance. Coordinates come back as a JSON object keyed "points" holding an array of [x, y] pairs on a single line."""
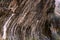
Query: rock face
{"points": [[26, 19]]}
